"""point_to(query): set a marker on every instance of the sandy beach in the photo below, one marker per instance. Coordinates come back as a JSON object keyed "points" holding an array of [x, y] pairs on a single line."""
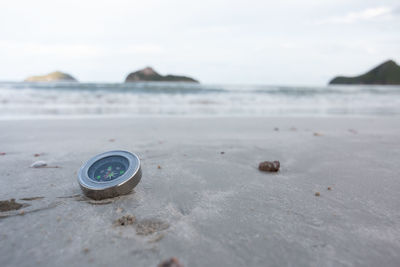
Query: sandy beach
{"points": [[201, 198]]}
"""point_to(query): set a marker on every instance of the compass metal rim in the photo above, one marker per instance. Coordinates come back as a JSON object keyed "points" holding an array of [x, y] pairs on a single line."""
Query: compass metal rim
{"points": [[120, 186]]}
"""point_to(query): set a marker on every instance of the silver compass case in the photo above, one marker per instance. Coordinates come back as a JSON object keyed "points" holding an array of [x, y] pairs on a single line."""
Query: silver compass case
{"points": [[110, 174]]}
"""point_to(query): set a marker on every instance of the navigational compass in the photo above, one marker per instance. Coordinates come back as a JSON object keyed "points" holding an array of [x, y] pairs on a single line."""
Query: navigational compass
{"points": [[110, 174]]}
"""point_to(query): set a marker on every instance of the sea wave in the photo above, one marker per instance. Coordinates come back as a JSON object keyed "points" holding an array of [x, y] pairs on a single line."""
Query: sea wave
{"points": [[185, 99]]}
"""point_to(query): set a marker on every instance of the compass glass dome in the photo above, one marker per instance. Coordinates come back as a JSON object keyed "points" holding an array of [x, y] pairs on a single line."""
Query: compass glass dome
{"points": [[108, 168]]}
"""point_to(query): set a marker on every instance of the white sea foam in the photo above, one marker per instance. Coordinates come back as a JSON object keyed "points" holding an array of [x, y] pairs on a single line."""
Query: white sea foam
{"points": [[81, 99]]}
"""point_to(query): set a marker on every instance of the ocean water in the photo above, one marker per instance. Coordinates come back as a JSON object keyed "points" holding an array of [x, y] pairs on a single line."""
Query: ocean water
{"points": [[38, 100]]}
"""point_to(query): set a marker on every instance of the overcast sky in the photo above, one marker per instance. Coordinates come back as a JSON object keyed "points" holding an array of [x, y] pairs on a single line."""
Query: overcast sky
{"points": [[216, 41]]}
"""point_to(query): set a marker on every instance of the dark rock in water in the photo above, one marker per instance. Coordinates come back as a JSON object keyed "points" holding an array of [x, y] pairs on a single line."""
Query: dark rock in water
{"points": [[386, 73], [172, 262], [56, 76], [6, 205], [268, 166], [150, 75]]}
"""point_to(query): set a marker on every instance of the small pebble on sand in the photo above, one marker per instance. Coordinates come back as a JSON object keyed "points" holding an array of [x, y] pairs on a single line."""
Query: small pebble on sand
{"points": [[36, 155], [276, 129], [222, 152], [172, 262], [111, 140], [329, 188], [317, 134], [39, 164], [158, 167], [86, 250], [317, 194], [269, 166], [2, 153]]}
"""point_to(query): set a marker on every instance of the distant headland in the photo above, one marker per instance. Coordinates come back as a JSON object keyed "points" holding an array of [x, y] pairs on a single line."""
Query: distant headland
{"points": [[387, 73], [148, 74], [56, 76]]}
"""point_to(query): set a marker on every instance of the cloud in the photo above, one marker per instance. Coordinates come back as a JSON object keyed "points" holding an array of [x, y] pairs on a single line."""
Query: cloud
{"points": [[363, 15], [147, 48], [40, 49], [15, 48]]}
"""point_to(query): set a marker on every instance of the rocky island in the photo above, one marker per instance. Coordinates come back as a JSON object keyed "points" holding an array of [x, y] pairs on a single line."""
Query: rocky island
{"points": [[386, 73], [56, 76], [148, 74]]}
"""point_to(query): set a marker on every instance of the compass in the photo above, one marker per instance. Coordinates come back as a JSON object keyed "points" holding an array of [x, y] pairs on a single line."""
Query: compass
{"points": [[110, 174]]}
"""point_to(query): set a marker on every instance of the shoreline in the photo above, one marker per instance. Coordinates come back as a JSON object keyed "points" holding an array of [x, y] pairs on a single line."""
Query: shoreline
{"points": [[212, 116]]}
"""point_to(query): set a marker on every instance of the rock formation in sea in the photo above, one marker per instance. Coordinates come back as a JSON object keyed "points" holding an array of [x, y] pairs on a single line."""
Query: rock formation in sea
{"points": [[148, 74], [386, 73], [56, 76]]}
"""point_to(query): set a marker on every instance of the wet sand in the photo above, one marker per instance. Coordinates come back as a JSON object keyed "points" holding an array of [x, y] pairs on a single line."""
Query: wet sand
{"points": [[201, 183]]}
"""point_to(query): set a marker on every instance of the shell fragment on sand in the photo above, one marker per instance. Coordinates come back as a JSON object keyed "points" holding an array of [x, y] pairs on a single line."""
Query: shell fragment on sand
{"points": [[39, 164]]}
